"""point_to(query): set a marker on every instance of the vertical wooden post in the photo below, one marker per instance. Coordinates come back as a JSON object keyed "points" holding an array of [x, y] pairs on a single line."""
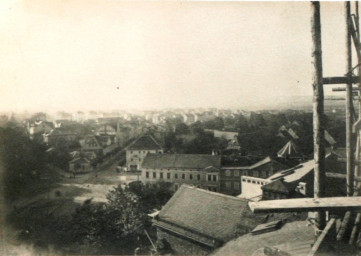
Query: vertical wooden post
{"points": [[349, 154], [357, 157], [318, 110]]}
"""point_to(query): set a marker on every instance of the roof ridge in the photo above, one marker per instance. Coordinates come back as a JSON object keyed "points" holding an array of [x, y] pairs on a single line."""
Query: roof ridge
{"points": [[213, 193]]}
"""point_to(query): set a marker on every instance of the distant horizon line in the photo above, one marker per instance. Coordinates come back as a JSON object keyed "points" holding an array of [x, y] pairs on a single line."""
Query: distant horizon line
{"points": [[289, 102]]}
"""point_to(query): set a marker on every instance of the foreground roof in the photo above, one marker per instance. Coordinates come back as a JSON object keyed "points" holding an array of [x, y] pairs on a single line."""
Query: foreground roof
{"points": [[189, 161], [209, 214], [295, 238]]}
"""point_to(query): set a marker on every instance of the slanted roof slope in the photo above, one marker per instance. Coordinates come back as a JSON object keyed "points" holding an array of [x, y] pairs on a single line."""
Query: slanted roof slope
{"points": [[211, 214], [187, 161]]}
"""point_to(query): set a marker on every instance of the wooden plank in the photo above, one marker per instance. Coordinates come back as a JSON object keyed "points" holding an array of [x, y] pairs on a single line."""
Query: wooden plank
{"points": [[340, 80], [322, 237], [306, 204], [340, 176], [356, 41]]}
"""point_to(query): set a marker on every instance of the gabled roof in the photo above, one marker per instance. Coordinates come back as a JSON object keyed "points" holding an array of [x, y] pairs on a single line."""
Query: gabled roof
{"points": [[293, 134], [189, 161], [280, 186], [290, 149], [79, 160], [145, 142], [339, 152], [263, 162], [206, 213]]}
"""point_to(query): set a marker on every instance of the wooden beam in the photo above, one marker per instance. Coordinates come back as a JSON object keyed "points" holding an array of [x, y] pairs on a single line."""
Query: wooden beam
{"points": [[322, 237], [355, 39], [340, 176], [340, 80], [307, 204], [349, 104], [318, 111]]}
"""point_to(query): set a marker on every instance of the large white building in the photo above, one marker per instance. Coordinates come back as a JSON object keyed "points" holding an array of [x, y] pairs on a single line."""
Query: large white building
{"points": [[201, 171], [137, 151]]}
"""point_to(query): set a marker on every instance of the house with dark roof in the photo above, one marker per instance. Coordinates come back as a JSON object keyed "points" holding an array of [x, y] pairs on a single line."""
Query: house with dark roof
{"points": [[231, 177], [196, 221], [59, 134], [106, 129], [100, 145], [138, 150], [80, 164], [298, 182], [194, 169]]}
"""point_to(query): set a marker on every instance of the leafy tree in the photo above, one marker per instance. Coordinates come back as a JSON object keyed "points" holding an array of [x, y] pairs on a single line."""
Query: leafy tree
{"points": [[216, 123], [60, 155], [24, 161], [151, 198], [181, 128], [113, 228], [196, 127]]}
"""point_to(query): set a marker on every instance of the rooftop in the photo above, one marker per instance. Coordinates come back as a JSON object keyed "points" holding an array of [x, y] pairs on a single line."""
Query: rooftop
{"points": [[189, 161], [217, 217], [295, 238], [145, 142]]}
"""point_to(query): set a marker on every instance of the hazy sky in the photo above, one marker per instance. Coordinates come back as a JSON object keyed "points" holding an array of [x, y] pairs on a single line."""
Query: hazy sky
{"points": [[80, 55]]}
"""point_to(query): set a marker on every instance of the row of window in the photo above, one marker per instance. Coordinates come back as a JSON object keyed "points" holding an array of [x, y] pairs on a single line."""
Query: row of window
{"points": [[139, 152], [210, 177], [254, 181], [174, 169], [236, 173]]}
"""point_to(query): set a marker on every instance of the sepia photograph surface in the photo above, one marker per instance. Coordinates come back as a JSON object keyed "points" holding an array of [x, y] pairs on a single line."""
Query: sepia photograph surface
{"points": [[180, 128]]}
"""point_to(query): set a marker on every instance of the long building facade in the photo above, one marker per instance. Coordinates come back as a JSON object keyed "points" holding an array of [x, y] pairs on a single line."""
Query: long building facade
{"points": [[201, 171]]}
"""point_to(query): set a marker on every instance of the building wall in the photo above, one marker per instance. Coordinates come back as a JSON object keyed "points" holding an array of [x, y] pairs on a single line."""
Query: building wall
{"points": [[230, 180], [305, 191], [135, 157], [266, 170], [230, 177], [195, 177], [182, 246], [251, 186]]}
